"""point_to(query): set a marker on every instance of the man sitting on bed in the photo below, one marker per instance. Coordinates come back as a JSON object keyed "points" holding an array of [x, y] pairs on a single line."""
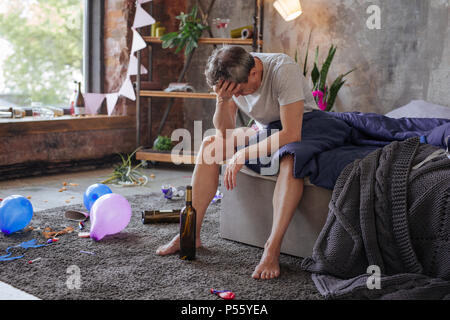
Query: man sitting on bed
{"points": [[267, 87]]}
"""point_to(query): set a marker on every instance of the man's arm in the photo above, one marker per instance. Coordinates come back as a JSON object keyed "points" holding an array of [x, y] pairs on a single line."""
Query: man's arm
{"points": [[225, 115], [288, 81], [291, 119], [226, 109]]}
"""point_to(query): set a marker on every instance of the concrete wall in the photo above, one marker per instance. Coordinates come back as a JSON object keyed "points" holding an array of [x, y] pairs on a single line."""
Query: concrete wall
{"points": [[407, 59]]}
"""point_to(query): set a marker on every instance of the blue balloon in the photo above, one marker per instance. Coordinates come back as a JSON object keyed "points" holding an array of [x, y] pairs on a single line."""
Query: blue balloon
{"points": [[16, 213], [94, 192]]}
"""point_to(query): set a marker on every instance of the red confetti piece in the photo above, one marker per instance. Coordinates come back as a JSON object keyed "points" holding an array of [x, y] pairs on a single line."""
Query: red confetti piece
{"points": [[224, 294]]}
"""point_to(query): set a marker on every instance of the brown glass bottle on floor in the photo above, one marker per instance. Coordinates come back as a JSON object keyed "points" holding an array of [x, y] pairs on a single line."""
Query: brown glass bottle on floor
{"points": [[155, 216], [188, 217]]}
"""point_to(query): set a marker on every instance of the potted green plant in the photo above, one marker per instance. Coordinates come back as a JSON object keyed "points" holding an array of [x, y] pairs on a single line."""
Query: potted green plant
{"points": [[324, 96], [162, 143], [126, 174], [190, 30]]}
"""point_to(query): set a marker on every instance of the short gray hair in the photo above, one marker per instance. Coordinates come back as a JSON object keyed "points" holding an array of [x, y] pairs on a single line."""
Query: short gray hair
{"points": [[230, 63]]}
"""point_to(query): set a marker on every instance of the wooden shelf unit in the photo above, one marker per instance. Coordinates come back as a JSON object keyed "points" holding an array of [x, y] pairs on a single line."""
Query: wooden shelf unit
{"points": [[175, 94], [160, 156], [216, 41], [149, 154]]}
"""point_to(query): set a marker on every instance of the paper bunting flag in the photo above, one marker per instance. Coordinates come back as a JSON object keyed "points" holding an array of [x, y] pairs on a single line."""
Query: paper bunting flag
{"points": [[138, 42], [93, 101], [111, 101], [127, 90], [142, 18], [133, 66]]}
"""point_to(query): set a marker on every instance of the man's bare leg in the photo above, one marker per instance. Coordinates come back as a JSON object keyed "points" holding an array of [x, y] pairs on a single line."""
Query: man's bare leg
{"points": [[205, 181], [287, 194]]}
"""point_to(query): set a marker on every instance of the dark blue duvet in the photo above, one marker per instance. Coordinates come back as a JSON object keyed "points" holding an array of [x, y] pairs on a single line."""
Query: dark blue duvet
{"points": [[331, 141]]}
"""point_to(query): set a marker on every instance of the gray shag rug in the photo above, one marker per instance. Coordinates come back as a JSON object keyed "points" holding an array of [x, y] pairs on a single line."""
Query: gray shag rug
{"points": [[125, 266]]}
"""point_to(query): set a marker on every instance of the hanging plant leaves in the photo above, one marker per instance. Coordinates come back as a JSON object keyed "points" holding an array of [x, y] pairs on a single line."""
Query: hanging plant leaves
{"points": [[189, 31]]}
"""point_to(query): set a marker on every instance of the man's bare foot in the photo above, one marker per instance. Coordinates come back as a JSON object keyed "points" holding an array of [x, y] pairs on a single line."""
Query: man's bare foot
{"points": [[173, 246], [268, 267]]}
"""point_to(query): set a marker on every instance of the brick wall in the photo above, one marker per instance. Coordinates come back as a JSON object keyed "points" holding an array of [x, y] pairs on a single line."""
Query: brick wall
{"points": [[167, 65], [166, 68]]}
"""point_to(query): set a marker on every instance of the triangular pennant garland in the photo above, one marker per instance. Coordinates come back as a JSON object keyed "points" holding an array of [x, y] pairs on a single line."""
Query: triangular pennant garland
{"points": [[93, 101], [111, 100], [142, 18], [127, 90], [138, 42], [133, 66]]}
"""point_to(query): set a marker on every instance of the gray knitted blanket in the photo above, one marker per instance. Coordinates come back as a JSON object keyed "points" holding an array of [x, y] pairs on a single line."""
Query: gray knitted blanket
{"points": [[387, 235]]}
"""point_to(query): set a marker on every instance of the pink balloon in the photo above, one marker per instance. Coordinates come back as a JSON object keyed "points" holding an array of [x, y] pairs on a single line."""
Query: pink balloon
{"points": [[110, 214]]}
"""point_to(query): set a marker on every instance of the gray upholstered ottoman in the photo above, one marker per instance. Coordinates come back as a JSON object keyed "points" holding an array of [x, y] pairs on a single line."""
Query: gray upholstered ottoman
{"points": [[246, 214]]}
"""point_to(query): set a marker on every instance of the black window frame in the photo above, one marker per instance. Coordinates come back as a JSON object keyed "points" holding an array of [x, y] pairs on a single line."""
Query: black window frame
{"points": [[93, 57]]}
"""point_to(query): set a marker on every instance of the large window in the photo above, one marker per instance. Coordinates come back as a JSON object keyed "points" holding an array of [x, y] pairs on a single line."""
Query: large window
{"points": [[41, 52]]}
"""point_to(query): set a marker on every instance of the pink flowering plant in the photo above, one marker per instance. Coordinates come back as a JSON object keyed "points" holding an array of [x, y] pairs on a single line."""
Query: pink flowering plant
{"points": [[323, 95]]}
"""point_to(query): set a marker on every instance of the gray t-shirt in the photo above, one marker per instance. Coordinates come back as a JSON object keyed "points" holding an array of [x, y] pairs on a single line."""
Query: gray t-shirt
{"points": [[282, 83]]}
